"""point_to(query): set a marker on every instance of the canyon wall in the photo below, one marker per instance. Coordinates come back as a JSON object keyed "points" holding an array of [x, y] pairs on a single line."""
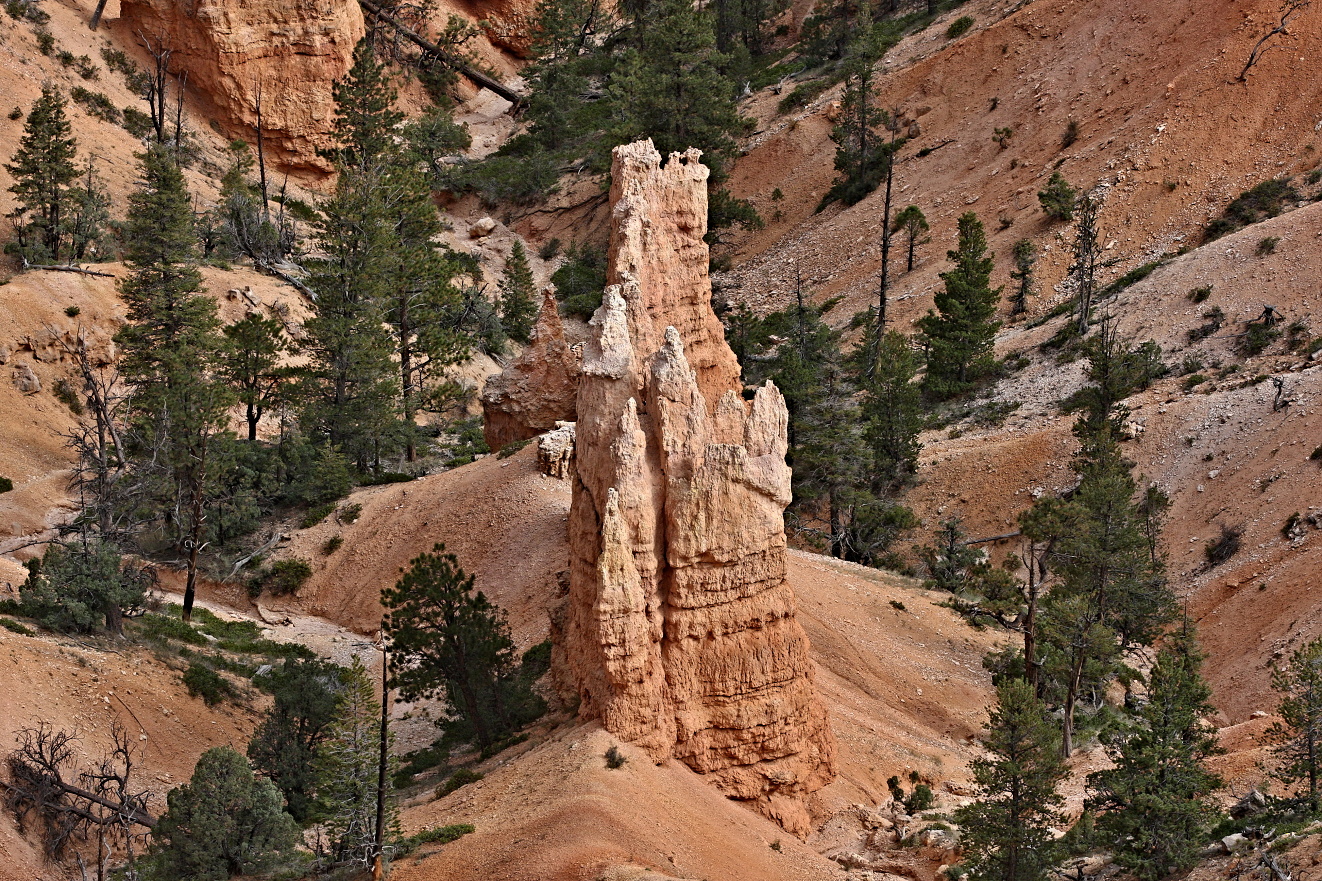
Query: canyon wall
{"points": [[292, 51], [679, 634]]}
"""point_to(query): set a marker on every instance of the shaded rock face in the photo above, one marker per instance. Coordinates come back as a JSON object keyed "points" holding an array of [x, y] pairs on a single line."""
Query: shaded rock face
{"points": [[538, 390], [679, 633], [294, 50]]}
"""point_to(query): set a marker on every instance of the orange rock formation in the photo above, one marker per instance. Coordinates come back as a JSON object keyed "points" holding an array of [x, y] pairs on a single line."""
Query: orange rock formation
{"points": [[537, 390], [292, 51], [680, 633]]}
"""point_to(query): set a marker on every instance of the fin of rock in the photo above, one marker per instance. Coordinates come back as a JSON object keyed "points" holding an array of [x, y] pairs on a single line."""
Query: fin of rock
{"points": [[679, 633]]}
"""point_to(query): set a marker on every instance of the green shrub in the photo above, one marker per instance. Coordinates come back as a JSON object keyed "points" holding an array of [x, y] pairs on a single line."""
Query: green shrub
{"points": [[1200, 294], [45, 41], [15, 627], [201, 681], [26, 10], [287, 576], [96, 104], [67, 395], [6, 484], [137, 123], [1256, 338], [72, 311], [79, 588], [803, 94], [1057, 198], [163, 628], [462, 777], [442, 835], [349, 513], [513, 447], [382, 478], [333, 544], [614, 758], [1267, 245], [316, 514], [959, 27], [580, 281], [1265, 200], [1192, 382]]}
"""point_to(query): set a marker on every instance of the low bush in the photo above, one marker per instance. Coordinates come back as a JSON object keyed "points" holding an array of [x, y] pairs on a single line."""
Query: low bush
{"points": [[287, 576], [959, 27], [460, 778], [201, 681], [1225, 546]]}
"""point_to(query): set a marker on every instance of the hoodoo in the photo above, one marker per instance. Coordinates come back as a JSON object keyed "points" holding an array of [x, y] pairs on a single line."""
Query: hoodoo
{"points": [[680, 633]]}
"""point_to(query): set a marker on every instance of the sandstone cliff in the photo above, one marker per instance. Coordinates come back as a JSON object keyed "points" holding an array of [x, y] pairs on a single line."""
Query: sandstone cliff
{"points": [[537, 390], [292, 51], [680, 633]]}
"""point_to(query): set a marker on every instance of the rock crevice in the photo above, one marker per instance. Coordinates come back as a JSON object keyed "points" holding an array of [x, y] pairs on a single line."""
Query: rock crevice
{"points": [[680, 631]]}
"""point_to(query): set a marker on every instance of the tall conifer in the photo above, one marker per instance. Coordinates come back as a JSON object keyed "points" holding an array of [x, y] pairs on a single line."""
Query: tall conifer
{"points": [[44, 172]]}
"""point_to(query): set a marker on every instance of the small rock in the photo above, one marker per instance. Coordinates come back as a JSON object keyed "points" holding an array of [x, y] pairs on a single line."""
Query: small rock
{"points": [[1233, 843], [25, 380], [1213, 473], [482, 228], [5, 354]]}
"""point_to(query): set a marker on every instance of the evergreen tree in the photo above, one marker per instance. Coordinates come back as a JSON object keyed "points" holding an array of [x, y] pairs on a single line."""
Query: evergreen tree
{"points": [[447, 640], [1298, 736], [1005, 832], [518, 303], [669, 88], [224, 822], [863, 156], [251, 365], [347, 769], [1025, 257], [365, 116], [961, 331], [89, 216], [79, 587], [1087, 260], [286, 744], [913, 223], [892, 412], [1155, 803], [169, 353], [43, 172]]}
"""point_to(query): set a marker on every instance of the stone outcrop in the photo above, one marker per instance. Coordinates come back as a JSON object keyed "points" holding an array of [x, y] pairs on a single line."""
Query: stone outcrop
{"points": [[679, 633], [538, 390], [292, 49]]}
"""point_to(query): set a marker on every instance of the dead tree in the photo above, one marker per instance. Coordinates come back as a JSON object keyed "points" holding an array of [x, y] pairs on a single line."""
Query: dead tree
{"points": [[1289, 9], [97, 443], [104, 800]]}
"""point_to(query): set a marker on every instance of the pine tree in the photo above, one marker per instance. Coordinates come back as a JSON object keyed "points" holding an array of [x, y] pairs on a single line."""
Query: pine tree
{"points": [[89, 215], [347, 769], [224, 822], [365, 114], [518, 303], [1087, 260], [1155, 803], [913, 223], [43, 172], [169, 353], [287, 742], [80, 587], [961, 331], [251, 365], [1006, 833], [1298, 736], [863, 156], [892, 412], [1025, 256], [669, 88], [447, 640]]}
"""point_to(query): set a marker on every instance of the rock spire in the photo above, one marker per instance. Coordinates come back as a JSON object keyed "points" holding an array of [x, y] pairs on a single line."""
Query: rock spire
{"points": [[679, 633]]}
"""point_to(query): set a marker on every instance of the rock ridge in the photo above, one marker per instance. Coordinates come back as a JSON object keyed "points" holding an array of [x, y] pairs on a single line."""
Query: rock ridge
{"points": [[679, 633]]}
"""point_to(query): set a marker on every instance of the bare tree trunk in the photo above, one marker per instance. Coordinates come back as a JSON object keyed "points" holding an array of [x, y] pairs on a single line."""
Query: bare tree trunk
{"points": [[379, 839], [261, 156], [96, 16]]}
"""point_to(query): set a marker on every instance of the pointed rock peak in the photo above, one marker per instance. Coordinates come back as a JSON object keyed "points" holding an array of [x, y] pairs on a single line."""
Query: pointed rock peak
{"points": [[677, 526]]}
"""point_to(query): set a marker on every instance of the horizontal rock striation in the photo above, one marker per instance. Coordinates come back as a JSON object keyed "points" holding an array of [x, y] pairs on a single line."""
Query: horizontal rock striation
{"points": [[680, 633]]}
